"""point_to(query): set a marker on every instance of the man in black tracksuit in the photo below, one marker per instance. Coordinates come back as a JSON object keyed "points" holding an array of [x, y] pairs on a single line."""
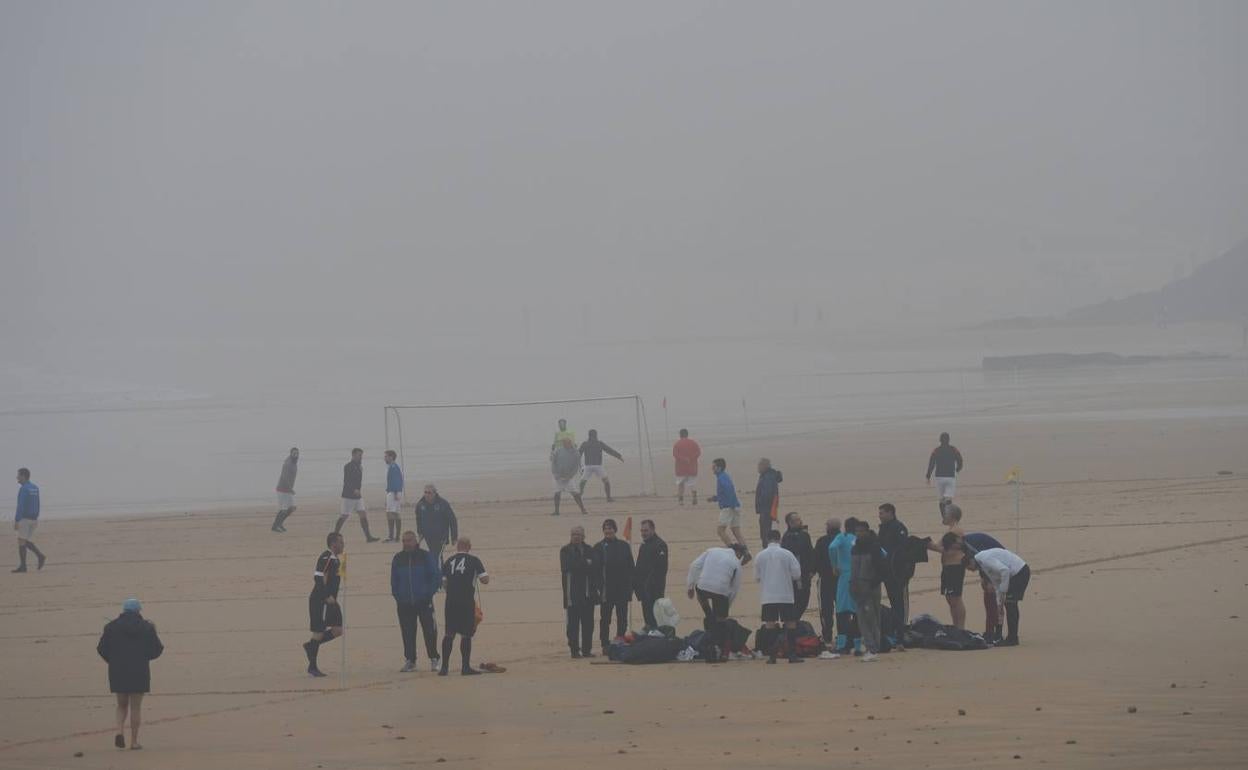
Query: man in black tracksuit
{"points": [[892, 537], [353, 494], [415, 576], [796, 540], [650, 575], [580, 574], [826, 571], [615, 558], [766, 497], [435, 521]]}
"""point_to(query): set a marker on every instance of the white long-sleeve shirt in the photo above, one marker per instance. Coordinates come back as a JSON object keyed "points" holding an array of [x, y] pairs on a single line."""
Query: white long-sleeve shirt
{"points": [[717, 570], [999, 565], [775, 569]]}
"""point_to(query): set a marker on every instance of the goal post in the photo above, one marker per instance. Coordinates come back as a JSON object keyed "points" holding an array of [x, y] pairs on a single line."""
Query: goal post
{"points": [[393, 421]]}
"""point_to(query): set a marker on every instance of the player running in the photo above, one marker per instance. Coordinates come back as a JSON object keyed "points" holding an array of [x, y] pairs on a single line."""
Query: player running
{"points": [[323, 610], [946, 462], [591, 451], [459, 575], [286, 489], [686, 451], [565, 464], [729, 506], [353, 495]]}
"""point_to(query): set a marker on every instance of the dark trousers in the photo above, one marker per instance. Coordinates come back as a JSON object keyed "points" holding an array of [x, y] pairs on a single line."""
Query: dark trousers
{"points": [[714, 608], [827, 608], [899, 599], [409, 616], [581, 627], [801, 599], [764, 528], [604, 620], [647, 607]]}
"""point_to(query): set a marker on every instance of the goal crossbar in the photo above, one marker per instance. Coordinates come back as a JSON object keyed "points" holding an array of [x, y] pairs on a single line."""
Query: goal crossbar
{"points": [[643, 426]]}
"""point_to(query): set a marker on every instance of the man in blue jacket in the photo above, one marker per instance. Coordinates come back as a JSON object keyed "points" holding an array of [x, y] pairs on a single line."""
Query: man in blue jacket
{"points": [[414, 578], [729, 506], [26, 519], [394, 497]]}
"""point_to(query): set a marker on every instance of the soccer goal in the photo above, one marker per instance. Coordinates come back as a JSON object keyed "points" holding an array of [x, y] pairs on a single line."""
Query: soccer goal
{"points": [[513, 438]]}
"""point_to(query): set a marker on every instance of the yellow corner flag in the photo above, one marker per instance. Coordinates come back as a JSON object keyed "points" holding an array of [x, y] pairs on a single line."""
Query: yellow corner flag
{"points": [[342, 567], [628, 529], [1014, 476]]}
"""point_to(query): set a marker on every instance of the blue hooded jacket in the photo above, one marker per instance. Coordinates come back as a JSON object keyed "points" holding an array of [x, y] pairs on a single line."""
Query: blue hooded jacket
{"points": [[414, 576], [27, 501], [725, 491]]}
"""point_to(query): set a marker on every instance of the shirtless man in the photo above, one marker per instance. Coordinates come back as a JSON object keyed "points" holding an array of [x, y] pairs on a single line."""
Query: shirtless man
{"points": [[952, 571]]}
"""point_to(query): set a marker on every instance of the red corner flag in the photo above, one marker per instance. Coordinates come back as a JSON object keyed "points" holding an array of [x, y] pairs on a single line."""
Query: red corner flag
{"points": [[628, 529], [665, 402]]}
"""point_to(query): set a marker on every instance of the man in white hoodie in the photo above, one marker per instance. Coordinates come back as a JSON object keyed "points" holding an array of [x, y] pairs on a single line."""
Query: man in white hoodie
{"points": [[778, 573], [715, 578], [1009, 575]]}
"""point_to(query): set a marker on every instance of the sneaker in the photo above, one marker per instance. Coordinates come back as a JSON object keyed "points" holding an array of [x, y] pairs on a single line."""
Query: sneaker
{"points": [[588, 654], [610, 499], [274, 528], [443, 672], [796, 659], [828, 655], [576, 654], [435, 664], [555, 513], [869, 657], [119, 741], [371, 539], [315, 672], [19, 569], [470, 671], [408, 667], [771, 660], [1007, 642]]}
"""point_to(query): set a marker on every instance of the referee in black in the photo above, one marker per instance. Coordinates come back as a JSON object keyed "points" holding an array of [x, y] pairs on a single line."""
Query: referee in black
{"points": [[324, 614]]}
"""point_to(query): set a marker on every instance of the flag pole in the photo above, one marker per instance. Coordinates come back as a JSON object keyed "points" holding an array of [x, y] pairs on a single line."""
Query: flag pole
{"points": [[667, 430], [746, 414], [1018, 515]]}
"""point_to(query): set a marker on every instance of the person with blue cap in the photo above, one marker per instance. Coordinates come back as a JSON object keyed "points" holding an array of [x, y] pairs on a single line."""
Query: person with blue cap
{"points": [[129, 644]]}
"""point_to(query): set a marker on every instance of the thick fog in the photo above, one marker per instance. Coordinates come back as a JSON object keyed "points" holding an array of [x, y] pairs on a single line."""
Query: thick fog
{"points": [[227, 228], [264, 168]]}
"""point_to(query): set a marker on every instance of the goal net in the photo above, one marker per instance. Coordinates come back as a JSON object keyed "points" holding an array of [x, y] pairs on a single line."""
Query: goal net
{"points": [[501, 450]]}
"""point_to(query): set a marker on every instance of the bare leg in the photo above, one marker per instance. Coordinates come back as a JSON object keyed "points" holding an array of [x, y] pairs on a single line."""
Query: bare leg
{"points": [[136, 718], [736, 532], [722, 531], [123, 701], [957, 611]]}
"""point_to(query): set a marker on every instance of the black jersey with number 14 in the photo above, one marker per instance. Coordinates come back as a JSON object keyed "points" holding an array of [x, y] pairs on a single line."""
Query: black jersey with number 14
{"points": [[461, 571]]}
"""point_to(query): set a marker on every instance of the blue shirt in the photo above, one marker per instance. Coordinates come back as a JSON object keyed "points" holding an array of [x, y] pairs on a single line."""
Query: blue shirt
{"points": [[27, 501], [394, 478], [981, 541], [725, 491]]}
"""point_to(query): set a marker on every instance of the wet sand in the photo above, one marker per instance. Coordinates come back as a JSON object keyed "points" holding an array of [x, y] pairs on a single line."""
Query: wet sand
{"points": [[1139, 599]]}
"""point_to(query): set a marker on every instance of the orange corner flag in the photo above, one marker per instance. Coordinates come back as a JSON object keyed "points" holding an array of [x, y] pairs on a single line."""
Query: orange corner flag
{"points": [[628, 529]]}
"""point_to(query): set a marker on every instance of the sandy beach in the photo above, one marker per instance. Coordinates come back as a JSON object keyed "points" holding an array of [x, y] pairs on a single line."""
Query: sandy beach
{"points": [[1140, 599]]}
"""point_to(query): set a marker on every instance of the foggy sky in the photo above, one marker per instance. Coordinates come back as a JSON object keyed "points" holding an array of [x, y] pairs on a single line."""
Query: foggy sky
{"points": [[221, 167]]}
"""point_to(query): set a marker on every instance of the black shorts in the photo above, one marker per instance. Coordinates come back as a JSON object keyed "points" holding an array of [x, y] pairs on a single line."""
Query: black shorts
{"points": [[952, 576], [1018, 585], [779, 613], [321, 615], [461, 618]]}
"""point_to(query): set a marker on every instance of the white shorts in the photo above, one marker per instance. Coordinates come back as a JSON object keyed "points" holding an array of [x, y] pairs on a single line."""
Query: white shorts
{"points": [[567, 485], [26, 528], [592, 471], [687, 482], [285, 501], [350, 506], [394, 500], [730, 517], [945, 487]]}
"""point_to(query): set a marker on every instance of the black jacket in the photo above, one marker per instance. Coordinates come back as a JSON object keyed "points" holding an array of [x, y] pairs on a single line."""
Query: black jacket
{"points": [[592, 452], [615, 559], [352, 480], [797, 542], [767, 491], [578, 565], [650, 576], [823, 560], [129, 644], [436, 522], [944, 462]]}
